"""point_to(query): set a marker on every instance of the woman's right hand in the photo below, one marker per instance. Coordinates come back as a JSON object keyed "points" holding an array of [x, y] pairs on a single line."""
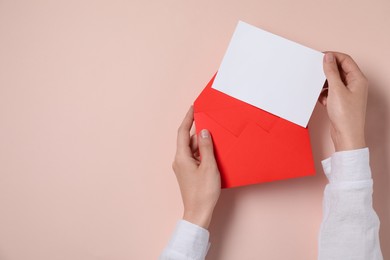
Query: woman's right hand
{"points": [[345, 100]]}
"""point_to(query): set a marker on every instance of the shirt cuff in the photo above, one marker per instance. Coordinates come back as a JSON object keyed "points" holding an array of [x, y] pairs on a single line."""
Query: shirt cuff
{"points": [[190, 240], [348, 166]]}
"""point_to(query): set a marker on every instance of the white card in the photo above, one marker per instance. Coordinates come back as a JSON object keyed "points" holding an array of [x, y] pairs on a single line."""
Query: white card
{"points": [[272, 73]]}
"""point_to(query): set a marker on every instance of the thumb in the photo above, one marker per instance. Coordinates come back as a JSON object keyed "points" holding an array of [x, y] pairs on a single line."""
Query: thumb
{"points": [[206, 147], [331, 70]]}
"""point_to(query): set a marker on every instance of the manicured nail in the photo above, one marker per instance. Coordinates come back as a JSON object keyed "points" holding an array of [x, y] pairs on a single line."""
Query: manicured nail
{"points": [[329, 57], [204, 133]]}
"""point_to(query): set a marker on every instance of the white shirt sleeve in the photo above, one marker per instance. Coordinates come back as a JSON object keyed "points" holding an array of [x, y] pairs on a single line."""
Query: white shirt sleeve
{"points": [[350, 226], [188, 242]]}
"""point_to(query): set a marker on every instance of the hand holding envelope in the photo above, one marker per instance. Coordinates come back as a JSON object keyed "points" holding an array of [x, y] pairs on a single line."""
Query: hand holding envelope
{"points": [[257, 108]]}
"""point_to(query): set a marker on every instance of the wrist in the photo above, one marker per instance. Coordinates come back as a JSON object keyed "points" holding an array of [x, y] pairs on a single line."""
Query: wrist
{"points": [[348, 142], [201, 219]]}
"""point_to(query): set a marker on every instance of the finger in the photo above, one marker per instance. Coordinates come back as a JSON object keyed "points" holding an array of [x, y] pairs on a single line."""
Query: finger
{"points": [[323, 98], [183, 135], [194, 143], [206, 149], [331, 70], [349, 67], [194, 147]]}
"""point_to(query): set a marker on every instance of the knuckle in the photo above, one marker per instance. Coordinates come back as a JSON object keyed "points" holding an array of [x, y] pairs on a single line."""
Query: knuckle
{"points": [[177, 162], [174, 166]]}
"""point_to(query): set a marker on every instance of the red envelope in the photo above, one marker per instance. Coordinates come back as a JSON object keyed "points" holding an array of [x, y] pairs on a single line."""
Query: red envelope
{"points": [[251, 145]]}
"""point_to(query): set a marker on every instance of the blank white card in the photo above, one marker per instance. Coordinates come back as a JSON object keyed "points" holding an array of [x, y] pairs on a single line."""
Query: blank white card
{"points": [[272, 73]]}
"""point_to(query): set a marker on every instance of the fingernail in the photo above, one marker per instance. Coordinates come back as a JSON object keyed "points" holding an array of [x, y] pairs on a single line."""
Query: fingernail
{"points": [[204, 133], [329, 57]]}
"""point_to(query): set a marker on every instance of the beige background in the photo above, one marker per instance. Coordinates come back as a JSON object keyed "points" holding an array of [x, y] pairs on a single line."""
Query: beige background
{"points": [[91, 95]]}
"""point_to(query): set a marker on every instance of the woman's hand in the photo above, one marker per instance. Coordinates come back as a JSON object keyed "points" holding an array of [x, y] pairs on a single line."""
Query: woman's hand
{"points": [[197, 174], [345, 99]]}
